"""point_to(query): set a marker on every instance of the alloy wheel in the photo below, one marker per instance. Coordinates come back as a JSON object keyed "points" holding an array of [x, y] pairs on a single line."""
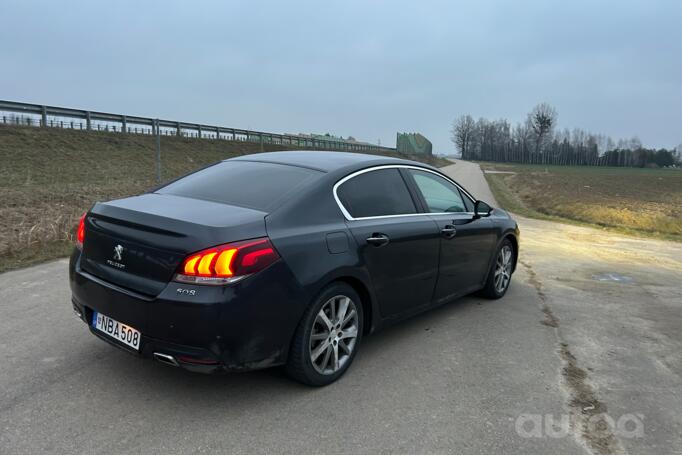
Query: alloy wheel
{"points": [[503, 268], [334, 335]]}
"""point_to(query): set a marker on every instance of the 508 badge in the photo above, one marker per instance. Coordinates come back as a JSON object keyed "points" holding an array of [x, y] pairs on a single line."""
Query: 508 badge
{"points": [[182, 291]]}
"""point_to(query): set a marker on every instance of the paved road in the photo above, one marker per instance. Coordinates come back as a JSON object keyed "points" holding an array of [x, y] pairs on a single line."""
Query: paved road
{"points": [[456, 379], [616, 302]]}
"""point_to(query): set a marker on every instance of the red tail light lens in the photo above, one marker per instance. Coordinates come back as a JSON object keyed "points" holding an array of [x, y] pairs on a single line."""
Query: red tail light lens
{"points": [[80, 232], [227, 263]]}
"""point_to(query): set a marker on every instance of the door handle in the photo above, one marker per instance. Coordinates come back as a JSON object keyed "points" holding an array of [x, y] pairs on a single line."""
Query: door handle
{"points": [[378, 239], [449, 231]]}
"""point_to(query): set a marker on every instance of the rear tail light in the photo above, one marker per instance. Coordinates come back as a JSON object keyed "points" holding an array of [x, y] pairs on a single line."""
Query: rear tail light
{"points": [[227, 263], [80, 232]]}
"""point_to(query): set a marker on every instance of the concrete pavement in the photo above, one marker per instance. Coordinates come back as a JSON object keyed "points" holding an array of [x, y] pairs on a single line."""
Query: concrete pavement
{"points": [[616, 302], [461, 378]]}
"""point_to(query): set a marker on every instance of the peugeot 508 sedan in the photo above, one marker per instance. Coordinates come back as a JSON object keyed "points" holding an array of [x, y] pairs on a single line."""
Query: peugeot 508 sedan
{"points": [[285, 258]]}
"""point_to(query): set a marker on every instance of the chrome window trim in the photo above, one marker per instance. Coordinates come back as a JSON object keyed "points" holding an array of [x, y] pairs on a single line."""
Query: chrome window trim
{"points": [[348, 216]]}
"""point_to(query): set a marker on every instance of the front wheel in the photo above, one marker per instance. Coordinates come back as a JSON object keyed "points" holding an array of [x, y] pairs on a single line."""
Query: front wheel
{"points": [[328, 337], [500, 276]]}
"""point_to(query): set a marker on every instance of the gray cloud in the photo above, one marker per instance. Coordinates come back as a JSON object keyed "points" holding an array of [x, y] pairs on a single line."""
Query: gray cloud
{"points": [[366, 68]]}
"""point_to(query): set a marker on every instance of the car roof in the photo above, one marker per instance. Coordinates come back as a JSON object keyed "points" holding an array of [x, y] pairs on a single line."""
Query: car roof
{"points": [[323, 160]]}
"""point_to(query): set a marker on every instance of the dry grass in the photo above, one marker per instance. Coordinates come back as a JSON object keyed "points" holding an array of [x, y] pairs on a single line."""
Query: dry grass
{"points": [[645, 201], [49, 177]]}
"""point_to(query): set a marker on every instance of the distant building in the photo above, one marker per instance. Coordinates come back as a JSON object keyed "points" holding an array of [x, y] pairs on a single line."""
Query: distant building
{"points": [[413, 144]]}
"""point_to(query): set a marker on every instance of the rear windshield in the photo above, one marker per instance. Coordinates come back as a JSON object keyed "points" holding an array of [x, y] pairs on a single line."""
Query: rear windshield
{"points": [[259, 186]]}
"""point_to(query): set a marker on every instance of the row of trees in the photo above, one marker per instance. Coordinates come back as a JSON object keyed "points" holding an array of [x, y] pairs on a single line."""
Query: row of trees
{"points": [[537, 141]]}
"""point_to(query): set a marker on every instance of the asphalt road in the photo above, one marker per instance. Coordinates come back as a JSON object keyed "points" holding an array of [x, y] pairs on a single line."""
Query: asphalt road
{"points": [[474, 376]]}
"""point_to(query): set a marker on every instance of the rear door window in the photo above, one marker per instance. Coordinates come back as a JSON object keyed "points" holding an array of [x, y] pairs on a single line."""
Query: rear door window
{"points": [[376, 193], [255, 185]]}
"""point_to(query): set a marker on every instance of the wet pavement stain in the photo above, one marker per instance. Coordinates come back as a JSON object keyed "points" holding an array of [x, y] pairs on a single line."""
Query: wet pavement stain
{"points": [[612, 276]]}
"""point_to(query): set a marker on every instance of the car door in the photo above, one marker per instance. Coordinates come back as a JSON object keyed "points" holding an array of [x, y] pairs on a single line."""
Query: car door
{"points": [[398, 245], [466, 241]]}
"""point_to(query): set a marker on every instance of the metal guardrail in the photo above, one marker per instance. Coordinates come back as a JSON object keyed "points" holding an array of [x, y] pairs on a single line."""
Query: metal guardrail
{"points": [[53, 116]]}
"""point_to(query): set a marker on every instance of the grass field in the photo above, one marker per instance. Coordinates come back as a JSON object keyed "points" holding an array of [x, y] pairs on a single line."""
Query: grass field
{"points": [[633, 200], [49, 177]]}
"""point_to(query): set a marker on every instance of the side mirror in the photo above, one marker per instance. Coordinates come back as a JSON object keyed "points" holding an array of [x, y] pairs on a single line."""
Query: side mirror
{"points": [[482, 209]]}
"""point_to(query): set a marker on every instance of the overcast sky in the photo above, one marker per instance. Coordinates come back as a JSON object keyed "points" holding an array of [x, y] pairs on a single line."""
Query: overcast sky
{"points": [[363, 68]]}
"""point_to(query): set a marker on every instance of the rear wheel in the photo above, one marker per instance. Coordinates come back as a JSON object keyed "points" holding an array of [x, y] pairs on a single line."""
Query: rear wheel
{"points": [[500, 275], [327, 337]]}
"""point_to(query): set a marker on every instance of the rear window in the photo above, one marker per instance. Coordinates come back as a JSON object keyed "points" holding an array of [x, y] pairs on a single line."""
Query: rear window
{"points": [[259, 186], [376, 193]]}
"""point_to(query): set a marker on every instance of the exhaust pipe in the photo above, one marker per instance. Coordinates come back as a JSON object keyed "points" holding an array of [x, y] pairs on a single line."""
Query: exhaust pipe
{"points": [[165, 358]]}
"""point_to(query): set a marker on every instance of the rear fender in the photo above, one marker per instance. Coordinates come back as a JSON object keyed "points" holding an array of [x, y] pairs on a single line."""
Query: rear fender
{"points": [[360, 280]]}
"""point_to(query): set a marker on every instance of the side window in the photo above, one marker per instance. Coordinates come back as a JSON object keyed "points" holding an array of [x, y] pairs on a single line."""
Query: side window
{"points": [[441, 196], [376, 193]]}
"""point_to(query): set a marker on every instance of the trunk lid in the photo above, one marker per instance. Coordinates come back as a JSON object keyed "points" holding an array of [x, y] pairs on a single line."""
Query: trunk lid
{"points": [[139, 242]]}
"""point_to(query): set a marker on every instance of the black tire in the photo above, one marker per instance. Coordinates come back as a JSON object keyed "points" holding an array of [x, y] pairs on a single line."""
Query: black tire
{"points": [[300, 364], [491, 290]]}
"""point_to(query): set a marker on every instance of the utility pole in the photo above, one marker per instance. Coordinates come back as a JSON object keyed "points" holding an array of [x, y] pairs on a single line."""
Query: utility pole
{"points": [[158, 151]]}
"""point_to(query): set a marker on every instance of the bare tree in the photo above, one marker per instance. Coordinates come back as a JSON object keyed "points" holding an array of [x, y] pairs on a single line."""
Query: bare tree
{"points": [[463, 134], [535, 141], [542, 120], [522, 136]]}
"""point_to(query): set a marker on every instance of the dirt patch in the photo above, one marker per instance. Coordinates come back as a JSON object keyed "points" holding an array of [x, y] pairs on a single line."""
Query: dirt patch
{"points": [[588, 414], [550, 320]]}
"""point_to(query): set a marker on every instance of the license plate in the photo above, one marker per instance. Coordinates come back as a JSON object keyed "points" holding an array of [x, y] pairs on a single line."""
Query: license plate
{"points": [[117, 330]]}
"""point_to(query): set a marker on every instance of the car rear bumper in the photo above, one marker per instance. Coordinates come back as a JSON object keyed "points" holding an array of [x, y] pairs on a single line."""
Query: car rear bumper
{"points": [[192, 358], [245, 326]]}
